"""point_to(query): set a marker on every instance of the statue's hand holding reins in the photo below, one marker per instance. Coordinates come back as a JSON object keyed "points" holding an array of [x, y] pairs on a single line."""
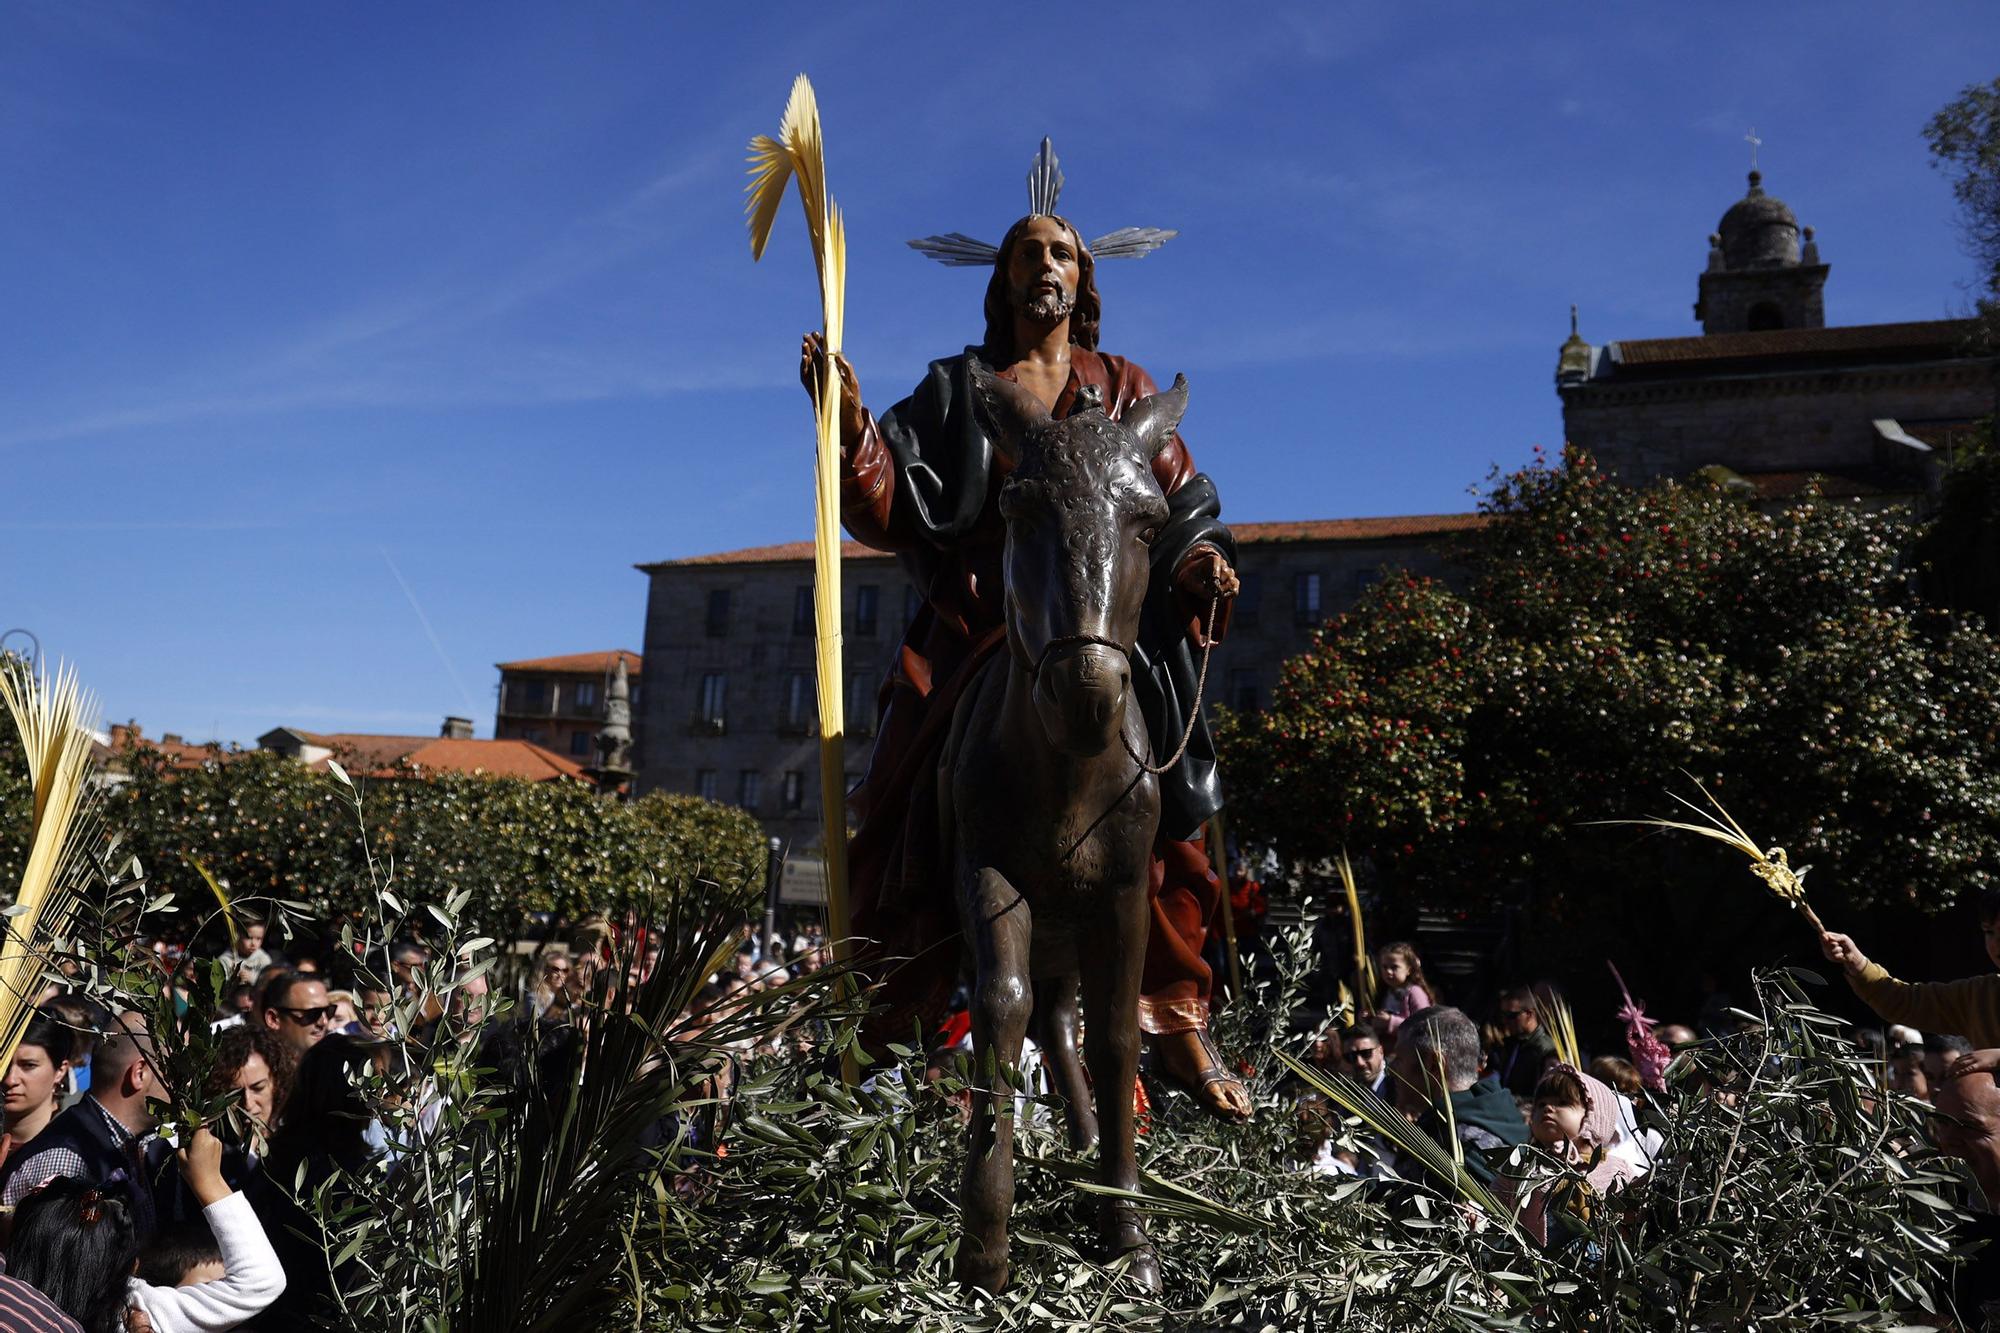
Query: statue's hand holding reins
{"points": [[1204, 576]]}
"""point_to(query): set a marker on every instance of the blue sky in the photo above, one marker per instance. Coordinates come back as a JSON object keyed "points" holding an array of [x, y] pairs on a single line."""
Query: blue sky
{"points": [[352, 349]]}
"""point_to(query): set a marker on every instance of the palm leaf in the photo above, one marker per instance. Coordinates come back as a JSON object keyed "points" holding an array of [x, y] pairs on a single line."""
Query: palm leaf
{"points": [[228, 912], [1444, 1164], [1364, 966], [1553, 1013], [1772, 866], [51, 716]]}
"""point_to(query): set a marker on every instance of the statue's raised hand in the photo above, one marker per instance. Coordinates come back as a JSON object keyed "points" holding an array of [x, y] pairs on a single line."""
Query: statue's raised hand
{"points": [[853, 417]]}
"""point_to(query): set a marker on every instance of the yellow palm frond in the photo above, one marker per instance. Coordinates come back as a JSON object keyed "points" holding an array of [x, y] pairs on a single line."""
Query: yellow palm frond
{"points": [[50, 715], [1446, 1163], [799, 154], [770, 172], [215, 887], [1364, 966], [1771, 865], [1552, 1012]]}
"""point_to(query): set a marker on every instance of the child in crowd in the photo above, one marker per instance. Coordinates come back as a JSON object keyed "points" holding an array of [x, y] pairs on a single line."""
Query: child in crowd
{"points": [[1405, 988], [75, 1242], [1635, 1145], [1575, 1119]]}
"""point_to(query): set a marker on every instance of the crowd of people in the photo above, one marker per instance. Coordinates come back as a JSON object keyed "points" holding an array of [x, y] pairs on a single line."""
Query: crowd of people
{"points": [[112, 1225]]}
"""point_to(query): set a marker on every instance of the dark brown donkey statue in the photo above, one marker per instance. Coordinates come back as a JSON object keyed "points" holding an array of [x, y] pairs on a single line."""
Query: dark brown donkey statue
{"points": [[1050, 820]]}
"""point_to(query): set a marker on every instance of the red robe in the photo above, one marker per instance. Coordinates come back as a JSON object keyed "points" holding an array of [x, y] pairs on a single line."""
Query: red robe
{"points": [[899, 885]]}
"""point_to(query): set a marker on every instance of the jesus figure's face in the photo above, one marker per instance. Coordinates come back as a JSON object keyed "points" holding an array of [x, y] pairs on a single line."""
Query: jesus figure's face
{"points": [[1043, 271]]}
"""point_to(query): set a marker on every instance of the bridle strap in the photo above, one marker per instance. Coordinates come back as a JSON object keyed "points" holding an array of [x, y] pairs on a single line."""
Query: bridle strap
{"points": [[1074, 641], [1201, 685]]}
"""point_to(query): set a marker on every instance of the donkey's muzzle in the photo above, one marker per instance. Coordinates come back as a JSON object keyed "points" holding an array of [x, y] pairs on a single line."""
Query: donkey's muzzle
{"points": [[1080, 694]]}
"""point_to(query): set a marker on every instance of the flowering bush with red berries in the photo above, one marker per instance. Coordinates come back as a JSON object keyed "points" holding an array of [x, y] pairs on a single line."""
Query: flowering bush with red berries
{"points": [[1603, 641]]}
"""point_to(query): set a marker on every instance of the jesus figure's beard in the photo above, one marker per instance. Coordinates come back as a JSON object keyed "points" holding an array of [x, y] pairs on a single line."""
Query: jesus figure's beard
{"points": [[1046, 307]]}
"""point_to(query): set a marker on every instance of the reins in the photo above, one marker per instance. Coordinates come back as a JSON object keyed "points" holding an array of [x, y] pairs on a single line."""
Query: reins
{"points": [[1194, 712], [1201, 685]]}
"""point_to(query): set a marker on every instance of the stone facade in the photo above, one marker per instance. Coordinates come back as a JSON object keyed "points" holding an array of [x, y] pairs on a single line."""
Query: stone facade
{"points": [[1768, 395], [559, 702], [729, 710]]}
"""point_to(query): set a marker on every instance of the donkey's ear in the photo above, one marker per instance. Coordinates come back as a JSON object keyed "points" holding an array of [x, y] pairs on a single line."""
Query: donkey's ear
{"points": [[1155, 419], [1008, 411]]}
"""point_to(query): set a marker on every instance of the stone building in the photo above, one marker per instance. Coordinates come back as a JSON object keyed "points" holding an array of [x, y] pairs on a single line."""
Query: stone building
{"points": [[559, 703], [731, 712], [1768, 393]]}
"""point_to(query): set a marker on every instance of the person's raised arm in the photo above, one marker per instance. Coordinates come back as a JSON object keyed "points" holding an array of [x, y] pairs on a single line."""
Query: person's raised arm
{"points": [[1966, 1007], [251, 1278]]}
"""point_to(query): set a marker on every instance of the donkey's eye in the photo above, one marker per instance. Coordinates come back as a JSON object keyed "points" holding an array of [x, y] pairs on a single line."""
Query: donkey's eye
{"points": [[1149, 534]]}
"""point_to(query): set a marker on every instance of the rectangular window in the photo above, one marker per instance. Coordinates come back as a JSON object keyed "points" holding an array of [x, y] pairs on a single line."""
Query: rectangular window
{"points": [[1365, 579], [579, 744], [795, 790], [583, 695], [632, 696], [704, 783], [711, 704], [867, 610], [1305, 599], [531, 695], [718, 612], [749, 788], [802, 611], [1249, 598], [800, 703], [860, 707], [1243, 695]]}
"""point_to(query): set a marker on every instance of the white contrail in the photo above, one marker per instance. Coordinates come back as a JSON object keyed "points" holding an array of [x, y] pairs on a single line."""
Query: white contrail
{"points": [[471, 709]]}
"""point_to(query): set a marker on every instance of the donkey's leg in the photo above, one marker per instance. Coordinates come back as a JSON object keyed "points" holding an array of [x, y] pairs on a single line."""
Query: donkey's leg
{"points": [[1055, 1029], [1111, 1045], [1002, 1000]]}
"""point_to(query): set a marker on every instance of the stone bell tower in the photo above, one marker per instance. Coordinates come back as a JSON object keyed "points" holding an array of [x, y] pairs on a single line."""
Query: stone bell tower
{"points": [[613, 769], [1758, 275]]}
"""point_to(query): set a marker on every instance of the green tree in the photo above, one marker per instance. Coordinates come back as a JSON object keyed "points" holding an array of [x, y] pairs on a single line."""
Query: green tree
{"points": [[272, 828], [1964, 138], [1612, 639]]}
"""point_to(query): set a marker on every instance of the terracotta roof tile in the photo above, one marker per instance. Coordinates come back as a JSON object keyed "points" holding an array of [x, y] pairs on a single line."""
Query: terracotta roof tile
{"points": [[383, 756], [782, 554], [579, 663], [1384, 528], [1936, 337], [1321, 529], [178, 753]]}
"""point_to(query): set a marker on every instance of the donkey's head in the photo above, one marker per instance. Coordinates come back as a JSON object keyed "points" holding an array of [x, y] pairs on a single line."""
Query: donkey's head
{"points": [[1082, 511]]}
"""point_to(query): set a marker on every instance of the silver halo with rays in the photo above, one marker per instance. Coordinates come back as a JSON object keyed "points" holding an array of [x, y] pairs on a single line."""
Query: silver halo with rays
{"points": [[955, 249]]}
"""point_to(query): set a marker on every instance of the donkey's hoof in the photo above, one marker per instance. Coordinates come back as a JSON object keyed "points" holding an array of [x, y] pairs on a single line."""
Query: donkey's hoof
{"points": [[1143, 1267], [1128, 1248]]}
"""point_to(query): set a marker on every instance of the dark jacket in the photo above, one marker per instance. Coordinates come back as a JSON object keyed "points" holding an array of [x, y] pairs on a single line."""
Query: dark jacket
{"points": [[86, 1130], [1489, 1126], [1519, 1067]]}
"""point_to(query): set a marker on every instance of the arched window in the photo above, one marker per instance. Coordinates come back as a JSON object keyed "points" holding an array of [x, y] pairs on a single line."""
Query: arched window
{"points": [[1766, 315]]}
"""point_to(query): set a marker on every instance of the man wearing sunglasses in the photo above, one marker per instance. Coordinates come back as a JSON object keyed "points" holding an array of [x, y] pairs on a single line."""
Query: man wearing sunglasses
{"points": [[1361, 1057], [294, 1006]]}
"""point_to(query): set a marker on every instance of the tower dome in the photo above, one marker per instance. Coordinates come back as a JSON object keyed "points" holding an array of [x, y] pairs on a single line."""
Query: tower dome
{"points": [[1758, 278], [1759, 231]]}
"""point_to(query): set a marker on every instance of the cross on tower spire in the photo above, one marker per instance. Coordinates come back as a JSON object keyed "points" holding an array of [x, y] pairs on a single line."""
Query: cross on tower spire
{"points": [[1755, 143]]}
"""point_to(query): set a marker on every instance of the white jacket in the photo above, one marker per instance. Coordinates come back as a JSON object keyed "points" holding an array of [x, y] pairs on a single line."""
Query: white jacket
{"points": [[251, 1278]]}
